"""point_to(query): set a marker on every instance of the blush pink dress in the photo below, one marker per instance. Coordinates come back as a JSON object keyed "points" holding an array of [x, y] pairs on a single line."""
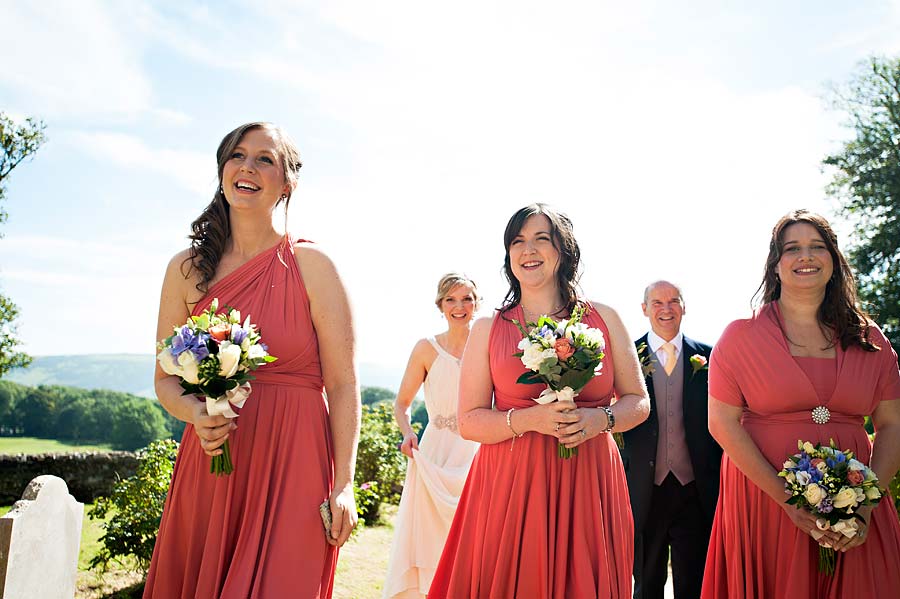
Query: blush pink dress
{"points": [[530, 524], [257, 532], [755, 549]]}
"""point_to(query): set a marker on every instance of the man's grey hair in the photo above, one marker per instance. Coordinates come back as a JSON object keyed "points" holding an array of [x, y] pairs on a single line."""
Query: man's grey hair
{"points": [[662, 282]]}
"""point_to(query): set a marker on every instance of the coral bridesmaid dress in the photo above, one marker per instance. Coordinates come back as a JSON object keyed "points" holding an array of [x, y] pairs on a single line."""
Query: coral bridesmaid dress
{"points": [[756, 551], [530, 524], [257, 532]]}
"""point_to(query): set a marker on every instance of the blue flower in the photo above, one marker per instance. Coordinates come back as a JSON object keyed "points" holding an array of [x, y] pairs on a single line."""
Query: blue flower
{"points": [[186, 340], [238, 334]]}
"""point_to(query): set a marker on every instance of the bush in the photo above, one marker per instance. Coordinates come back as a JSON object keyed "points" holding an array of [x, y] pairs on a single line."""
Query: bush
{"points": [[378, 462], [136, 505]]}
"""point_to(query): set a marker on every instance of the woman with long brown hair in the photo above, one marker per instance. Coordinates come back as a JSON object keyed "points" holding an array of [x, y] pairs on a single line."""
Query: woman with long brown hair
{"points": [[807, 347], [529, 523], [258, 531]]}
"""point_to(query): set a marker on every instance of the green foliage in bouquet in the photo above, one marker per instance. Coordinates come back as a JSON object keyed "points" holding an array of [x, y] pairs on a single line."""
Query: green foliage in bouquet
{"points": [[378, 462], [136, 506]]}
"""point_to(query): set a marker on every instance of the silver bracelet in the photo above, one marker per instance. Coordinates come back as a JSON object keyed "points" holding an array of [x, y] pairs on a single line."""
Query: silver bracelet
{"points": [[610, 419]]}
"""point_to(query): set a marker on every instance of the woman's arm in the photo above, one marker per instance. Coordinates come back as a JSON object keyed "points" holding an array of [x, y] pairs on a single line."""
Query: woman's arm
{"points": [[632, 405], [478, 421], [173, 311], [415, 374], [333, 322]]}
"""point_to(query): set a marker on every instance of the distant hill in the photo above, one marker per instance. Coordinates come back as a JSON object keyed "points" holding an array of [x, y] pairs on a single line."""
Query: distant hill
{"points": [[133, 373]]}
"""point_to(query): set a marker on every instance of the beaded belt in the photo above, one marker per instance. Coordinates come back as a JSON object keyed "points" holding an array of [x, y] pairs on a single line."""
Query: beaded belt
{"points": [[448, 422]]}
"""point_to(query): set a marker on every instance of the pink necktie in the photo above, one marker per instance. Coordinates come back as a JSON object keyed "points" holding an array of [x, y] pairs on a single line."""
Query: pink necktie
{"points": [[670, 357]]}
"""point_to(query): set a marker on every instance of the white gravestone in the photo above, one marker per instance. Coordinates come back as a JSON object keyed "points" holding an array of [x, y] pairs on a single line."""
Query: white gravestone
{"points": [[39, 541]]}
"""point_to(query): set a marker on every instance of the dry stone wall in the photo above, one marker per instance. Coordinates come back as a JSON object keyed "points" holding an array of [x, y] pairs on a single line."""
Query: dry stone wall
{"points": [[88, 475]]}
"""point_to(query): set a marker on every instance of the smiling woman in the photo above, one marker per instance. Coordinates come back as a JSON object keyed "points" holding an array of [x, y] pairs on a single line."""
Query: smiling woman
{"points": [[808, 366], [530, 524], [258, 532]]}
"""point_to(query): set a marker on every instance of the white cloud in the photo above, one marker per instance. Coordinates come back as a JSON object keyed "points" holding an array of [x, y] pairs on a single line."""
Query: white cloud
{"points": [[193, 171]]}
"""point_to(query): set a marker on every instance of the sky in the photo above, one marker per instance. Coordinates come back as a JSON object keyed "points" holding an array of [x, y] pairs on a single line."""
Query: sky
{"points": [[673, 134]]}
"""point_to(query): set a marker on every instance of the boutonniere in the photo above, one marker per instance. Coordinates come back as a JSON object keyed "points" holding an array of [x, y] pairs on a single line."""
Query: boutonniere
{"points": [[698, 363], [647, 367]]}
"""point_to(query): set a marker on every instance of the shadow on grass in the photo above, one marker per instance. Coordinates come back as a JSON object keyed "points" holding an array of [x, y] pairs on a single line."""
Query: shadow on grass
{"points": [[135, 591]]}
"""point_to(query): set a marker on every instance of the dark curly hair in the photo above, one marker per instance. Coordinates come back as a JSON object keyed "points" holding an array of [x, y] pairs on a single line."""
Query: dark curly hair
{"points": [[211, 230], [563, 237], [840, 317]]}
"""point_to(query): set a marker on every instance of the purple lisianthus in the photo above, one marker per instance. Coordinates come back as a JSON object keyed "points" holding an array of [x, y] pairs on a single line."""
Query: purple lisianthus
{"points": [[186, 340], [826, 505], [238, 334]]}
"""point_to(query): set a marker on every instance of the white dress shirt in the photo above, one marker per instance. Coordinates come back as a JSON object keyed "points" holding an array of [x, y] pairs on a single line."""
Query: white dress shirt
{"points": [[656, 342]]}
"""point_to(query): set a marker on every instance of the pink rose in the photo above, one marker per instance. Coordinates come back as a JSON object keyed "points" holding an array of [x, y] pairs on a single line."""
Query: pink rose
{"points": [[816, 461], [564, 349], [855, 477], [220, 332]]}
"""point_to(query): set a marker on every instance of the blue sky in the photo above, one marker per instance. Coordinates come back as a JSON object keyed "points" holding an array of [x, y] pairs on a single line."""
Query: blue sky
{"points": [[674, 135]]}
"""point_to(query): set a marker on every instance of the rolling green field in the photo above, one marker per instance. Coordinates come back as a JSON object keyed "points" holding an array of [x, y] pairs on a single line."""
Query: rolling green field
{"points": [[32, 445]]}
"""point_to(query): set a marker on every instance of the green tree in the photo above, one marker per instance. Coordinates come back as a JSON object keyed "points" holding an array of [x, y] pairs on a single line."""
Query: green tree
{"points": [[867, 185], [373, 395], [17, 143]]}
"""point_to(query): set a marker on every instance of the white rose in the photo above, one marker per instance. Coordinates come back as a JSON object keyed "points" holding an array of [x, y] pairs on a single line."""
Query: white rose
{"points": [[808, 447], [256, 351], [229, 358], [791, 477], [534, 356], [814, 494], [803, 477], [788, 464], [168, 363], [191, 369], [873, 493], [846, 497]]}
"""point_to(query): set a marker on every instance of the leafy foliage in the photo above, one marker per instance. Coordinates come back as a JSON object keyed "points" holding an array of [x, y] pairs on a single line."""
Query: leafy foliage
{"points": [[100, 416], [867, 185], [136, 506], [374, 395], [17, 143], [378, 462]]}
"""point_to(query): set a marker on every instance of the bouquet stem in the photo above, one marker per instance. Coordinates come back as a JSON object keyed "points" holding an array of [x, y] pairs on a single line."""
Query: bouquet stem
{"points": [[221, 464], [827, 557], [565, 452]]}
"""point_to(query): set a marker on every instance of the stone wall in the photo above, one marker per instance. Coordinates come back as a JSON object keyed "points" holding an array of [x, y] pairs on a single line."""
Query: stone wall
{"points": [[88, 475]]}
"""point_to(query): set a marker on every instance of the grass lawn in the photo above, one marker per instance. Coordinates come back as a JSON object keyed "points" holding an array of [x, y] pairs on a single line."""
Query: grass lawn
{"points": [[360, 571], [32, 445]]}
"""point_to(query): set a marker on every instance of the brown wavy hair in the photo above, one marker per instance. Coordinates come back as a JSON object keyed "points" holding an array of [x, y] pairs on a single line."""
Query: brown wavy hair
{"points": [[210, 231], [568, 271], [839, 315]]}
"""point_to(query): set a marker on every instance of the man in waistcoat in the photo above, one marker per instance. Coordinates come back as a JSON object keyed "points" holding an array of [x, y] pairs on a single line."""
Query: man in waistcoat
{"points": [[671, 460]]}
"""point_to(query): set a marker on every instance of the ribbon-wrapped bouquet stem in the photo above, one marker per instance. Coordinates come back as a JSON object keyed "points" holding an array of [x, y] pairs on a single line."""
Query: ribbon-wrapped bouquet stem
{"points": [[831, 485], [563, 355], [213, 355]]}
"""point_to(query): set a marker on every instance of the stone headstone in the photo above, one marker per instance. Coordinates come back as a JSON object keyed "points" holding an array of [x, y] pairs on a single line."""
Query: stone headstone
{"points": [[39, 541]]}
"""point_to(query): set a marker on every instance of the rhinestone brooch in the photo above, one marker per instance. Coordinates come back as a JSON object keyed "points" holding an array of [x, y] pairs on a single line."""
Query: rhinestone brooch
{"points": [[821, 415]]}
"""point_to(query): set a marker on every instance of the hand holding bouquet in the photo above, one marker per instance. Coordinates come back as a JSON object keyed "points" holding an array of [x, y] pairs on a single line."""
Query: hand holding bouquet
{"points": [[564, 355], [213, 354], [831, 485]]}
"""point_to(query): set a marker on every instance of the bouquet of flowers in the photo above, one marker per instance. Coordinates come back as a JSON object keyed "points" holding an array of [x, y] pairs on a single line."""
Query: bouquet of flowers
{"points": [[213, 354], [832, 485], [564, 355]]}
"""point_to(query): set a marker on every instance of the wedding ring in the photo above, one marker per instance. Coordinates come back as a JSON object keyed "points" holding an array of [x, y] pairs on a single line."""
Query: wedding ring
{"points": [[583, 434], [557, 427]]}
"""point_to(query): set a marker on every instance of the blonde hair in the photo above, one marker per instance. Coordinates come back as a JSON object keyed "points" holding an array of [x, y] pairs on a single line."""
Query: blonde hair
{"points": [[451, 280]]}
